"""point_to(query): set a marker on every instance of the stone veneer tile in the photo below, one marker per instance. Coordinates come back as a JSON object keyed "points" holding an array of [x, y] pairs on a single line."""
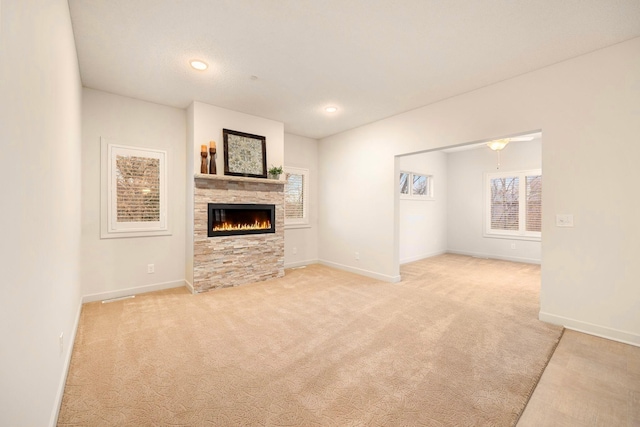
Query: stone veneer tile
{"points": [[220, 262]]}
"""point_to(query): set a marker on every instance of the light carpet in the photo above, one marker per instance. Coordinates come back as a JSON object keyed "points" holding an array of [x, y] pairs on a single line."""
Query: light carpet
{"points": [[456, 343]]}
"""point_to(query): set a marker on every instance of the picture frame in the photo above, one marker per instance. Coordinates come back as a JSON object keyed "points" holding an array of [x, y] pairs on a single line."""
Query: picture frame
{"points": [[245, 154]]}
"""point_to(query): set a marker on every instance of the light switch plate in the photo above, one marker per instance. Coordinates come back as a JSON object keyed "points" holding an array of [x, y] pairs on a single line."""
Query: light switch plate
{"points": [[564, 220]]}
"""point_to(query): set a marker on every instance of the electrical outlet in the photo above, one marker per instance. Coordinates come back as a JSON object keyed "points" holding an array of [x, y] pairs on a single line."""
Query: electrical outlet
{"points": [[357, 256], [151, 268], [513, 246], [564, 220], [295, 251], [61, 340]]}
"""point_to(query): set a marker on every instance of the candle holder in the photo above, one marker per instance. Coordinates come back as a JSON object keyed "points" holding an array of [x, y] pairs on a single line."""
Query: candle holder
{"points": [[203, 163], [212, 161]]}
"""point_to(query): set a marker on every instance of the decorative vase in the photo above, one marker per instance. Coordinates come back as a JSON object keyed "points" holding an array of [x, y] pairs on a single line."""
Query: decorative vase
{"points": [[274, 176]]}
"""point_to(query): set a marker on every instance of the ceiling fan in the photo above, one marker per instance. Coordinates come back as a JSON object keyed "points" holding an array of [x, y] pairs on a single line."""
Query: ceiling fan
{"points": [[499, 144]]}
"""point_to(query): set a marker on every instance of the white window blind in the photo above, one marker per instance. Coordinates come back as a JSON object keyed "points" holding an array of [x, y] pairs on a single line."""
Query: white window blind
{"points": [[136, 191], [296, 194], [534, 203], [505, 204], [514, 204]]}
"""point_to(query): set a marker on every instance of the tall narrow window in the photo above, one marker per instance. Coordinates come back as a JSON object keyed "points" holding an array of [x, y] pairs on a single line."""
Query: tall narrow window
{"points": [[514, 204], [136, 191], [404, 182], [296, 197], [534, 203], [505, 205]]}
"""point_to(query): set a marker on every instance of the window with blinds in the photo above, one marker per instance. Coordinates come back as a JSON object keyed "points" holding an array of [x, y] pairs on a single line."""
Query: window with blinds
{"points": [[296, 194], [534, 203], [136, 191], [505, 205], [514, 204]]}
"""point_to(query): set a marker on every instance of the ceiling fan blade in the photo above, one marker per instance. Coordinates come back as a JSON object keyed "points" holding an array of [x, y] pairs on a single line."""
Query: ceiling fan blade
{"points": [[521, 138]]}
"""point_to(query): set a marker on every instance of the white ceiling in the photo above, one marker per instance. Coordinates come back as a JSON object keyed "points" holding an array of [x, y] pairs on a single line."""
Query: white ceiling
{"points": [[370, 58]]}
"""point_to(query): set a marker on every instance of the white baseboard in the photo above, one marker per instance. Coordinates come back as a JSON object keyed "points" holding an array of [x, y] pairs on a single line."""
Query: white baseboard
{"points": [[362, 272], [65, 369], [300, 263], [491, 256], [189, 286], [592, 329], [133, 291], [419, 257]]}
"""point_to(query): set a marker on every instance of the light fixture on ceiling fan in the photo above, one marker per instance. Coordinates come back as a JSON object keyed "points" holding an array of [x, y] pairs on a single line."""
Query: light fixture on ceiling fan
{"points": [[499, 144]]}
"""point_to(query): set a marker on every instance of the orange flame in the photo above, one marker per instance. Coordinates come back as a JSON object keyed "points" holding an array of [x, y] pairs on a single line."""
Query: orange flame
{"points": [[258, 225]]}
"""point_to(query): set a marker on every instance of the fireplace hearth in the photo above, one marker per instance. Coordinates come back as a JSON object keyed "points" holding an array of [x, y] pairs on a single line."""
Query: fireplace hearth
{"points": [[238, 219]]}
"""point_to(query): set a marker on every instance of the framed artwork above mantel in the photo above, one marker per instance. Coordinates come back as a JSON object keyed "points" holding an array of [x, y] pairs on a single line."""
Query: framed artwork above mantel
{"points": [[245, 154]]}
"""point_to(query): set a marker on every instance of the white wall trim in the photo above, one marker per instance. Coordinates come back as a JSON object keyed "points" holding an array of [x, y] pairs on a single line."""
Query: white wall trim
{"points": [[109, 227], [419, 257], [362, 272], [134, 291], [591, 329], [65, 369], [300, 263], [189, 286], [490, 256]]}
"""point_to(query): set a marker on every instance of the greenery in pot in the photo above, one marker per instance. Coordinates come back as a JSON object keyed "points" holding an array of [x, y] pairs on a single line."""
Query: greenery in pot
{"points": [[275, 171]]}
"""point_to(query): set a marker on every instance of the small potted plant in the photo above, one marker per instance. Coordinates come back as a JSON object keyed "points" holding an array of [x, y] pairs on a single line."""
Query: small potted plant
{"points": [[275, 172]]}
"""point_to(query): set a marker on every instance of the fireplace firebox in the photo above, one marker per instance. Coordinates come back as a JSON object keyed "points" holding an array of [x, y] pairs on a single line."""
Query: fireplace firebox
{"points": [[235, 219]]}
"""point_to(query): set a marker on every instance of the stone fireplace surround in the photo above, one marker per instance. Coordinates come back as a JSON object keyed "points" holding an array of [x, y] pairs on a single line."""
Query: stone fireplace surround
{"points": [[220, 262]]}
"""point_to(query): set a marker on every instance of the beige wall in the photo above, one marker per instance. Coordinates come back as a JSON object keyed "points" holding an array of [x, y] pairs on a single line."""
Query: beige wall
{"points": [[587, 108], [40, 96], [423, 223], [301, 244], [117, 267]]}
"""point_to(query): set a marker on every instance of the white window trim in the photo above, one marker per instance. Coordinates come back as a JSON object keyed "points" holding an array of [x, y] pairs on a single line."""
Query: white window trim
{"points": [[290, 223], [521, 234], [411, 196], [109, 227]]}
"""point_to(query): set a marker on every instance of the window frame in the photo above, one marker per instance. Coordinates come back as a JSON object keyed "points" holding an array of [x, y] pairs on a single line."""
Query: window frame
{"points": [[110, 227], [303, 222], [410, 196], [521, 233]]}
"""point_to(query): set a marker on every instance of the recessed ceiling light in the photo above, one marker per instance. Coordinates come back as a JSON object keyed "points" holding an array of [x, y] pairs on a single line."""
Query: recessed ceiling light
{"points": [[331, 109], [199, 65]]}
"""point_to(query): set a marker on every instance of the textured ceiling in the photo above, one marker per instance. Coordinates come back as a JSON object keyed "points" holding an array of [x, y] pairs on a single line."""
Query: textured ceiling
{"points": [[370, 58]]}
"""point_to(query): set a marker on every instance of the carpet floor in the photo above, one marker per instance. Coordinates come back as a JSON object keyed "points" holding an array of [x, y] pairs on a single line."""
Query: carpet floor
{"points": [[456, 343]]}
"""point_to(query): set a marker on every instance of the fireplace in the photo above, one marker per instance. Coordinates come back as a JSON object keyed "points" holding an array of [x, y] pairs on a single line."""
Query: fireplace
{"points": [[236, 219], [228, 260]]}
